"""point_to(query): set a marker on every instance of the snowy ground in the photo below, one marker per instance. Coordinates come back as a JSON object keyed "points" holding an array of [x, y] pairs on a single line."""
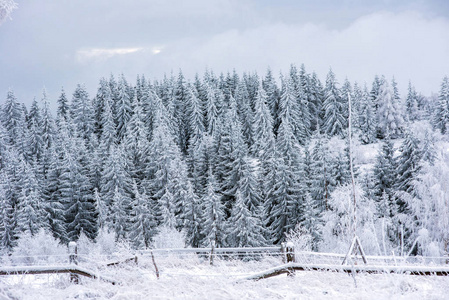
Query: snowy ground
{"points": [[193, 278]]}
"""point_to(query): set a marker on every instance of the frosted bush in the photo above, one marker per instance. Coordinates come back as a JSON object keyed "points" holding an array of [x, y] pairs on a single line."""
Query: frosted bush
{"points": [[300, 238], [168, 237], [40, 248]]}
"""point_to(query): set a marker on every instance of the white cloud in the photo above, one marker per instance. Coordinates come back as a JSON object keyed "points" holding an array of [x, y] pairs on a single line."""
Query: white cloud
{"points": [[103, 53]]}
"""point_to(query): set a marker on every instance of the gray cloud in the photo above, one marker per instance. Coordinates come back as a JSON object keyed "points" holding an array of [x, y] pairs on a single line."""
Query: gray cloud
{"points": [[54, 43]]}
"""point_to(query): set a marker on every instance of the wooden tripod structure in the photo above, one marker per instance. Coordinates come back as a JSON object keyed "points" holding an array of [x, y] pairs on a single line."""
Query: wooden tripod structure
{"points": [[356, 246]]}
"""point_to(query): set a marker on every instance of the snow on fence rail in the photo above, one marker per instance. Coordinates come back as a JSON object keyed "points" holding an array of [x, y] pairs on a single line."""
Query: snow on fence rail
{"points": [[56, 269], [290, 268]]}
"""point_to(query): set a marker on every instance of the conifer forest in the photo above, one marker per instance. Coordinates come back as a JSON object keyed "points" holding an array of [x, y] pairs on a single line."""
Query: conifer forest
{"points": [[236, 159]]}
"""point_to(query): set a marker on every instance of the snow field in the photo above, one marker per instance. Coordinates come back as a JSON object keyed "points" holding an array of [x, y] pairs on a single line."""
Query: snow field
{"points": [[191, 277]]}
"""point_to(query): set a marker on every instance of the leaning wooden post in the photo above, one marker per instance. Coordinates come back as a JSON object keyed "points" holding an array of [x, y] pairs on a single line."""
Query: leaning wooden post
{"points": [[284, 254], [212, 252], [73, 258], [290, 255]]}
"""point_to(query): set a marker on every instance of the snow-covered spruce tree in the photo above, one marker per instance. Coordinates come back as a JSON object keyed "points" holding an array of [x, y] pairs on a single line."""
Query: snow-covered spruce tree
{"points": [[264, 142], [411, 104], [309, 105], [34, 137], [11, 115], [122, 106], [191, 217], [108, 136], [63, 109], [317, 98], [82, 113], [232, 150], [8, 224], [48, 123], [321, 181], [389, 116], [334, 122], [244, 227], [180, 113], [30, 212], [273, 98], [245, 113], [441, 117], [367, 118], [137, 145], [288, 191], [252, 84], [120, 214], [115, 185], [165, 170], [195, 114], [75, 191], [408, 166], [375, 91], [384, 175], [20, 140], [408, 163], [213, 215], [289, 106], [213, 99], [142, 220], [54, 208], [200, 157], [102, 100], [311, 220]]}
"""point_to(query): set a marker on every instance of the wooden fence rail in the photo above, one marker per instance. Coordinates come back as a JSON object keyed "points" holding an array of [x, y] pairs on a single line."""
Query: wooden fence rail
{"points": [[69, 269], [408, 270]]}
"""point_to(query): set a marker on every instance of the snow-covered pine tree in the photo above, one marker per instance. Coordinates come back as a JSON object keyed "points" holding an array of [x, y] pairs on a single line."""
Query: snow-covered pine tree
{"points": [[213, 215], [63, 107], [137, 145], [122, 106], [142, 220], [102, 100], [334, 122], [115, 186], [288, 191], [82, 113], [244, 227], [389, 116], [10, 116], [8, 227], [367, 118], [411, 104], [245, 112], [30, 213], [321, 181], [273, 97], [441, 117], [384, 175], [264, 142], [76, 191]]}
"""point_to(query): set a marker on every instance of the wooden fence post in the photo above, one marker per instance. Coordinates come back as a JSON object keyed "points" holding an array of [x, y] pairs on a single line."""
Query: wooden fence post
{"points": [[283, 253], [290, 255], [73, 258], [212, 252]]}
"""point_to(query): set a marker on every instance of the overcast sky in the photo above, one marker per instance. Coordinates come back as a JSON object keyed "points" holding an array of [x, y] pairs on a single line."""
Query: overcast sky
{"points": [[55, 43]]}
